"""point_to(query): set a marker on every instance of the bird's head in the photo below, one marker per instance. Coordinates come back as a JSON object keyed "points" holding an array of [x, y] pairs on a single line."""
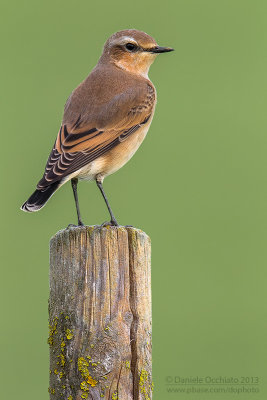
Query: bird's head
{"points": [[132, 50]]}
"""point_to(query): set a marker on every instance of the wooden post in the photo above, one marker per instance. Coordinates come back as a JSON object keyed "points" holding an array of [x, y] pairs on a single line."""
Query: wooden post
{"points": [[100, 314]]}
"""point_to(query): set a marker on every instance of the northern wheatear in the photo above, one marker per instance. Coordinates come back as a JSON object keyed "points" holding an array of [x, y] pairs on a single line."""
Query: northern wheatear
{"points": [[105, 119]]}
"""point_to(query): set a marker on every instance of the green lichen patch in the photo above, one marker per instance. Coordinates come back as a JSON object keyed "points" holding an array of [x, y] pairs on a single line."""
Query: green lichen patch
{"points": [[115, 396]]}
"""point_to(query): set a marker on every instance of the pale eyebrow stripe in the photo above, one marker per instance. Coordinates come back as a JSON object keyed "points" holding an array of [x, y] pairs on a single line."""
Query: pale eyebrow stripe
{"points": [[124, 40]]}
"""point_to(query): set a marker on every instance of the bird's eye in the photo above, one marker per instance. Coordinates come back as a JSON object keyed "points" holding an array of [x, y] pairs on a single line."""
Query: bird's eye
{"points": [[131, 47]]}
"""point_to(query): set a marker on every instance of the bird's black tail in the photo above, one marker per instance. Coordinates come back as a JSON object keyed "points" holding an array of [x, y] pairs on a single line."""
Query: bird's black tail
{"points": [[38, 199]]}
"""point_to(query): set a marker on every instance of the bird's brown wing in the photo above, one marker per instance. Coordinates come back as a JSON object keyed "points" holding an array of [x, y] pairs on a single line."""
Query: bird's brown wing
{"points": [[82, 142]]}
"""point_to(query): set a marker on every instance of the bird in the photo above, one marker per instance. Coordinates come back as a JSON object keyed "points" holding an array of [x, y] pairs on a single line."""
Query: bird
{"points": [[105, 119]]}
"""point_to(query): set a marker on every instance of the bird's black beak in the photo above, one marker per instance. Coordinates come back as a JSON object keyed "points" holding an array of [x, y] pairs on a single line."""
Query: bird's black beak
{"points": [[158, 49]]}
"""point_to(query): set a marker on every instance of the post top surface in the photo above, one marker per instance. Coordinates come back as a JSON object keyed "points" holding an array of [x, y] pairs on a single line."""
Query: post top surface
{"points": [[91, 229]]}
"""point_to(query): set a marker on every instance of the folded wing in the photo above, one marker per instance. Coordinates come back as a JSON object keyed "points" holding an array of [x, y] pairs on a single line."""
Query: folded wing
{"points": [[83, 141]]}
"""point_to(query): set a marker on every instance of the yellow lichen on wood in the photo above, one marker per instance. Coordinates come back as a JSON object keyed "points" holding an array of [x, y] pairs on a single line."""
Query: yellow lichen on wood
{"points": [[83, 368], [84, 386], [143, 382], [62, 359], [52, 332], [69, 334], [91, 381]]}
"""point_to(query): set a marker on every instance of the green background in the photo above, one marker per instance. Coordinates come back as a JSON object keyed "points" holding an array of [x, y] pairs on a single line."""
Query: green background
{"points": [[197, 185]]}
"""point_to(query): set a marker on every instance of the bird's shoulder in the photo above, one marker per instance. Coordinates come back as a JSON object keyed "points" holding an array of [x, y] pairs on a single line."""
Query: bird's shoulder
{"points": [[106, 92]]}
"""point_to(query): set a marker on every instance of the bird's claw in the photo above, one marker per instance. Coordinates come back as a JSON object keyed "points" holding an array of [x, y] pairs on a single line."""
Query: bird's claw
{"points": [[75, 226], [113, 222]]}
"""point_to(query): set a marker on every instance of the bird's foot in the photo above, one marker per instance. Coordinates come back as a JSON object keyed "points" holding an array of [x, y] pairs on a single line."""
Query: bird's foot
{"points": [[129, 226], [113, 222], [80, 223], [71, 226]]}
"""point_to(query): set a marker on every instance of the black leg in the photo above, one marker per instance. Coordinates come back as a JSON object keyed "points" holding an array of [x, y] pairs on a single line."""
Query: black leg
{"points": [[74, 183], [113, 219]]}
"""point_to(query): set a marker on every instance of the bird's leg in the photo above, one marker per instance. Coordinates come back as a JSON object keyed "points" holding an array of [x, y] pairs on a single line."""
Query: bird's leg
{"points": [[74, 183], [99, 182]]}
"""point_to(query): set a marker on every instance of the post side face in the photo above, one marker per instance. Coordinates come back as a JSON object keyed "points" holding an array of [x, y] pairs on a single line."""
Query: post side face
{"points": [[99, 314], [141, 306]]}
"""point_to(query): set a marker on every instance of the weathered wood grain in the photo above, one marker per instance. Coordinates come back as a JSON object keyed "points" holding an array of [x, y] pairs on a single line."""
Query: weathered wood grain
{"points": [[100, 314]]}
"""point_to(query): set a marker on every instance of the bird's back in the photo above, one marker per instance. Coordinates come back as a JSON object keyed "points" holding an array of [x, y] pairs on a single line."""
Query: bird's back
{"points": [[105, 97]]}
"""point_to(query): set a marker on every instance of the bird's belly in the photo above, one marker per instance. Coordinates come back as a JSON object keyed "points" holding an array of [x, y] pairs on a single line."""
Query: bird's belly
{"points": [[115, 158]]}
